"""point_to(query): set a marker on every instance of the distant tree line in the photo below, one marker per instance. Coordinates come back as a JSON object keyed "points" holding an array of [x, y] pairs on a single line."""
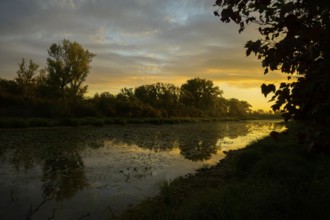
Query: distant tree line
{"points": [[195, 98], [59, 91]]}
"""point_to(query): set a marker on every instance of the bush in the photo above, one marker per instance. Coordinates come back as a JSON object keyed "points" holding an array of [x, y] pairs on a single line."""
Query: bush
{"points": [[41, 122], [109, 121], [120, 121], [92, 121], [69, 122], [13, 123]]}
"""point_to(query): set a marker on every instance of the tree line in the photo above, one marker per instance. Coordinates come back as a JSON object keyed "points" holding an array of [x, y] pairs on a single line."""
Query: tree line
{"points": [[59, 91]]}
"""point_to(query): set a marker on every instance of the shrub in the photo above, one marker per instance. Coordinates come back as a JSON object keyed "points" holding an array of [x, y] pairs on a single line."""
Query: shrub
{"points": [[13, 123], [40, 122]]}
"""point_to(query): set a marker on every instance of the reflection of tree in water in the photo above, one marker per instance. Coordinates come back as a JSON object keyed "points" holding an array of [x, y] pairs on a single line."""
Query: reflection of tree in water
{"points": [[22, 158], [15, 148], [57, 152], [198, 150], [197, 142], [236, 129], [155, 139], [63, 175]]}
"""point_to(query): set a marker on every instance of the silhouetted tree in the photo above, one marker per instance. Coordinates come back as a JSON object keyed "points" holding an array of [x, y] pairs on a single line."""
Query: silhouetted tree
{"points": [[237, 108], [147, 94], [294, 39], [126, 94], [68, 67], [9, 87], [199, 93], [160, 95], [26, 77], [221, 107], [105, 103]]}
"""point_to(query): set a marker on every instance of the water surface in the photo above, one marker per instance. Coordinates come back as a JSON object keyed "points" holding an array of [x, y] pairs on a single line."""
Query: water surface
{"points": [[91, 173]]}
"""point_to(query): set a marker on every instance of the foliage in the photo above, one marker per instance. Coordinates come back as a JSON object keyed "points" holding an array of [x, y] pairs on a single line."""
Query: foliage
{"points": [[166, 191], [237, 108], [105, 103], [147, 101], [68, 67], [26, 77], [294, 39], [57, 92], [200, 93], [159, 95], [9, 87]]}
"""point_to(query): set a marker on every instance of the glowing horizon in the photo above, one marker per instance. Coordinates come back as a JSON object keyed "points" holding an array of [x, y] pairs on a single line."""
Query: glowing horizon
{"points": [[136, 42]]}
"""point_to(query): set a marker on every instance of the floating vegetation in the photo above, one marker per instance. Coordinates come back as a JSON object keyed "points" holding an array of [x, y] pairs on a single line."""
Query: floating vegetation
{"points": [[106, 166]]}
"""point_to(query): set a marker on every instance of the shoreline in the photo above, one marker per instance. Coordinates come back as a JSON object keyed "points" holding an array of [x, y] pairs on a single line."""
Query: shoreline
{"points": [[273, 178], [13, 123]]}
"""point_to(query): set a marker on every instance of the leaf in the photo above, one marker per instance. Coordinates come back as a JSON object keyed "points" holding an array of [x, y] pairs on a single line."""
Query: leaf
{"points": [[276, 107], [218, 2], [248, 50], [266, 71], [283, 85], [253, 47], [266, 89]]}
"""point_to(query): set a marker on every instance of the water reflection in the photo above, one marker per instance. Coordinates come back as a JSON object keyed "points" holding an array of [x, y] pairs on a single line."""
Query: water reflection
{"points": [[57, 164], [58, 157], [196, 143], [22, 158], [63, 175]]}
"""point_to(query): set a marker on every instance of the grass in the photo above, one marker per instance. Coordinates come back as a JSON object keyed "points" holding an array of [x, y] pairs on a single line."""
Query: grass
{"points": [[165, 191], [98, 121], [13, 123], [270, 179]]}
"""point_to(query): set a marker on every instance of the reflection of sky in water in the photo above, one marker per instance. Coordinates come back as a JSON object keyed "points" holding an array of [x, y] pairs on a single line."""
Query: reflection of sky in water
{"points": [[256, 133], [95, 171]]}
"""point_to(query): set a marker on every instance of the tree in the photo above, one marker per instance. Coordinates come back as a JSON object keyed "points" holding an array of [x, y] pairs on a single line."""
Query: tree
{"points": [[294, 39], [221, 107], [126, 94], [146, 94], [26, 77], [160, 95], [199, 93], [237, 108], [9, 87], [68, 67], [105, 103]]}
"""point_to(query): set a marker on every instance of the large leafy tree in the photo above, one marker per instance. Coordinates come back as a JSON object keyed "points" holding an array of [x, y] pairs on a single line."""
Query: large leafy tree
{"points": [[68, 67], [161, 95], [294, 38], [237, 108], [200, 93]]}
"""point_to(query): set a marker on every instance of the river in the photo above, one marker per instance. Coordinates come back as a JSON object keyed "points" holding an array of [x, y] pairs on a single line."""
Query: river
{"points": [[95, 172]]}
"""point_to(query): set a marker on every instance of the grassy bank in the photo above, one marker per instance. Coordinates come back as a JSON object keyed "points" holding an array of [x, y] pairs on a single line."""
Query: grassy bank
{"points": [[100, 121], [278, 177]]}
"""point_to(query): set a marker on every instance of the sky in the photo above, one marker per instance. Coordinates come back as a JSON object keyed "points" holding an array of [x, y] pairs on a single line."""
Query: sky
{"points": [[136, 42]]}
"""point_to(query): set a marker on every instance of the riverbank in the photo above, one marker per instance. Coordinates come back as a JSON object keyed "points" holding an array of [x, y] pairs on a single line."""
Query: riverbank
{"points": [[278, 177], [100, 121]]}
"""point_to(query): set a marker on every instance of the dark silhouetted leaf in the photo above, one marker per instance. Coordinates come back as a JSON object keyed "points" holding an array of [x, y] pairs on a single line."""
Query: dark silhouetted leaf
{"points": [[266, 89]]}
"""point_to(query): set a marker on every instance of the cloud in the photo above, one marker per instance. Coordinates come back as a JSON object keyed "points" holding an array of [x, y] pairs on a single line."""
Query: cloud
{"points": [[136, 41]]}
